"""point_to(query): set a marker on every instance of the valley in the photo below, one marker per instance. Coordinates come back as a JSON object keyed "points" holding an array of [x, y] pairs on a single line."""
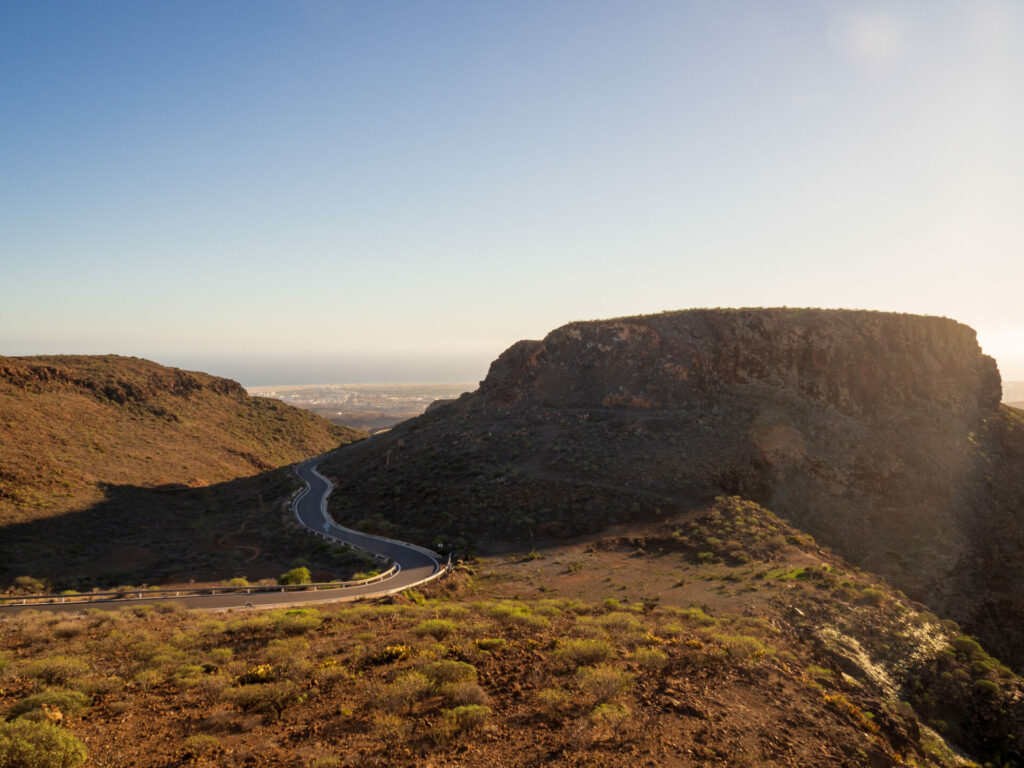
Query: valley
{"points": [[368, 407]]}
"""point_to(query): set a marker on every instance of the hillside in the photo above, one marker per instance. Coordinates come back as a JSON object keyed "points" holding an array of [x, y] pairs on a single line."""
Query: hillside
{"points": [[880, 434], [723, 638], [119, 469]]}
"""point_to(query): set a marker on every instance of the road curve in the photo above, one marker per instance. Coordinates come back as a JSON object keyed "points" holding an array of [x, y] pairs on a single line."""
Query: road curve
{"points": [[414, 564]]}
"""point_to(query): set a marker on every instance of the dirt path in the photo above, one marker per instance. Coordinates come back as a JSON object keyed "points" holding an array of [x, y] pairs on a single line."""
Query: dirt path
{"points": [[246, 547]]}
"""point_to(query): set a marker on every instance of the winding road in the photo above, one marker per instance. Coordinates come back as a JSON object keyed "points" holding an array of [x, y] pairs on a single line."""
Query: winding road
{"points": [[414, 565]]}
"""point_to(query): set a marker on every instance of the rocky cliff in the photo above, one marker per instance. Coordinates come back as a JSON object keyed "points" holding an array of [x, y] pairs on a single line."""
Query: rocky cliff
{"points": [[855, 362], [880, 434]]}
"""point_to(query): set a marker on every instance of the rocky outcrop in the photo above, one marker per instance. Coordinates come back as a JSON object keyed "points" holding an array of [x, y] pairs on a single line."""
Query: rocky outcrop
{"points": [[854, 361], [880, 434]]}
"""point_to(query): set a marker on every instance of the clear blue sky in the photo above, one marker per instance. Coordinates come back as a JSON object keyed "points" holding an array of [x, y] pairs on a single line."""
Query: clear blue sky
{"points": [[403, 189]]}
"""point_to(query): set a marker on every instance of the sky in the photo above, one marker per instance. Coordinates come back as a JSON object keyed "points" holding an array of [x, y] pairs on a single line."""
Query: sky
{"points": [[310, 191]]}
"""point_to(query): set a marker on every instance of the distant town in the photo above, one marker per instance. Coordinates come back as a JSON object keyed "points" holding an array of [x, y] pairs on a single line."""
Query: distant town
{"points": [[371, 407]]}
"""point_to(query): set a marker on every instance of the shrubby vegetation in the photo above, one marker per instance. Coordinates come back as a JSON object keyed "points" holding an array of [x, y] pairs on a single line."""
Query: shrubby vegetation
{"points": [[433, 672]]}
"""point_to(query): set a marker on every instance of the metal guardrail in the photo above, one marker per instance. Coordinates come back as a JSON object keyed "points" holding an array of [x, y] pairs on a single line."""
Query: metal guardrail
{"points": [[161, 594], [141, 594]]}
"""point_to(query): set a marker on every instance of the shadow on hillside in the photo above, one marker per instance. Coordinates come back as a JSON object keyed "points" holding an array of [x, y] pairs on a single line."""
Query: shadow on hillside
{"points": [[168, 535]]}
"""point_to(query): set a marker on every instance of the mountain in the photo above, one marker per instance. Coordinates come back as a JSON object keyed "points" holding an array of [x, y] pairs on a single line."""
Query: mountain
{"points": [[106, 460], [880, 434]]}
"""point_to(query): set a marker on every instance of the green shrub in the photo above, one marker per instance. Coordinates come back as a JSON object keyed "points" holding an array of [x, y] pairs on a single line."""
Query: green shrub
{"points": [[147, 678], [610, 716], [490, 643], [603, 683], [514, 613], [390, 653], [403, 693], [27, 744], [261, 673], [446, 672], [872, 596], [580, 651], [68, 702], [968, 646], [698, 615], [436, 628], [221, 656], [650, 660], [262, 697], [469, 717], [298, 575], [56, 670], [30, 584], [621, 624], [988, 688], [464, 693], [743, 646], [819, 673], [297, 621], [554, 702], [527, 620], [202, 744]]}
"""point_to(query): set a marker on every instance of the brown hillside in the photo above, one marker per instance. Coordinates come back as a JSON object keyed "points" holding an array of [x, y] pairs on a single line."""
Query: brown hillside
{"points": [[722, 638], [97, 455], [879, 433], [69, 423]]}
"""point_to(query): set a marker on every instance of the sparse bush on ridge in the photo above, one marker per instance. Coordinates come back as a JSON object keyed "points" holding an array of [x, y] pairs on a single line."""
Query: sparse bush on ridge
{"points": [[650, 660], [554, 701], [401, 694], [296, 621], [447, 671], [580, 651], [490, 643], [262, 697], [468, 717], [28, 744], [436, 628], [202, 744], [295, 576], [604, 682], [68, 702], [56, 670]]}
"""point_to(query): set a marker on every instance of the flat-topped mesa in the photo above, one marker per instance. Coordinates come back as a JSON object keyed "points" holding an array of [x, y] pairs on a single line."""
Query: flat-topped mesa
{"points": [[852, 360]]}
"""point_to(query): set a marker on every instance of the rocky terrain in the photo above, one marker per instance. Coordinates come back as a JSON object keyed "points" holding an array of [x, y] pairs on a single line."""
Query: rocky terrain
{"points": [[119, 469], [722, 638], [880, 434]]}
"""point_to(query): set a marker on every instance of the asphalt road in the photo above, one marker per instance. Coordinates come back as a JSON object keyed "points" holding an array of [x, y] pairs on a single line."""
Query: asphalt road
{"points": [[414, 563]]}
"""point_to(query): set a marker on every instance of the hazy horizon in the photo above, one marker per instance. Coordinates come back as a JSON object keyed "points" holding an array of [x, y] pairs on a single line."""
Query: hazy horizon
{"points": [[288, 370]]}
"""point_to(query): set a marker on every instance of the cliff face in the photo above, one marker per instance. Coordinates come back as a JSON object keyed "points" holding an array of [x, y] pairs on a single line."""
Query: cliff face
{"points": [[852, 361], [880, 434]]}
